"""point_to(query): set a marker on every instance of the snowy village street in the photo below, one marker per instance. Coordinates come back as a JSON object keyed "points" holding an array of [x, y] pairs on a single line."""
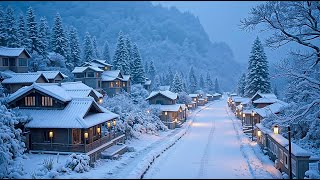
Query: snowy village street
{"points": [[211, 149]]}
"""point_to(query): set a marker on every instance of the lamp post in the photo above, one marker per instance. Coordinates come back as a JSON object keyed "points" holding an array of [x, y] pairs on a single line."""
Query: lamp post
{"points": [[114, 127], [165, 114], [51, 136], [252, 114], [290, 165], [85, 140]]}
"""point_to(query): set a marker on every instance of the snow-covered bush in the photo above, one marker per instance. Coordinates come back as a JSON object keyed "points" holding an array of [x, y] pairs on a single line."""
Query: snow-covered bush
{"points": [[183, 98], [312, 174], [78, 163], [136, 115], [11, 145]]}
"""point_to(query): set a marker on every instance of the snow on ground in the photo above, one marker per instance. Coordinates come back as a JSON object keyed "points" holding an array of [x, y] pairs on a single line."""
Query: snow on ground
{"points": [[213, 147]]}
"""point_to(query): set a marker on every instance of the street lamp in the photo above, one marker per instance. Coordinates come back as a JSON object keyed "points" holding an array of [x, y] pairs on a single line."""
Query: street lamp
{"points": [[51, 136], [243, 115], [252, 114], [290, 163], [86, 135], [276, 129]]}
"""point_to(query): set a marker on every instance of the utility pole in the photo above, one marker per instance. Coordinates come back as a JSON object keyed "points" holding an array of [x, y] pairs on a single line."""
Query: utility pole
{"points": [[290, 165]]}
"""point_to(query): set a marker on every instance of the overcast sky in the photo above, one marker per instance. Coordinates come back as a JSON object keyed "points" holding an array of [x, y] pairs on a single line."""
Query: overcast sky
{"points": [[221, 20]]}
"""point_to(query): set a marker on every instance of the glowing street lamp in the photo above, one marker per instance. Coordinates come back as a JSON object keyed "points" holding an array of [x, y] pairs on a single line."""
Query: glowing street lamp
{"points": [[86, 135], [252, 118], [98, 130], [259, 133], [276, 129], [51, 136]]}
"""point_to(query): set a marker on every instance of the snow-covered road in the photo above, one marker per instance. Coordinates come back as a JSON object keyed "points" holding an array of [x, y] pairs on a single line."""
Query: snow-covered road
{"points": [[210, 149]]}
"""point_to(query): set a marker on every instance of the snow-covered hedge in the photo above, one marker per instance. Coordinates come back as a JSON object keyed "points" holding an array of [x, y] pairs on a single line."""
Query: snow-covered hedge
{"points": [[136, 115], [78, 162], [11, 144]]}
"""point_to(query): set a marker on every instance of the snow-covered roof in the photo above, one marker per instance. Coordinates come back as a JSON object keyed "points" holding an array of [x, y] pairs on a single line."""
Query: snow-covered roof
{"points": [[7, 73], [265, 95], [265, 100], [216, 94], [245, 101], [164, 88], [24, 78], [97, 63], [127, 77], [238, 99], [193, 95], [201, 99], [52, 74], [110, 75], [78, 89], [173, 107], [183, 106], [82, 69], [233, 94], [263, 129], [271, 109], [209, 95], [12, 52], [74, 115], [50, 89], [74, 86], [101, 62], [168, 94]]}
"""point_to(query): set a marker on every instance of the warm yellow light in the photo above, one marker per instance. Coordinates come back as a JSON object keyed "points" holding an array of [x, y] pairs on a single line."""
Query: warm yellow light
{"points": [[180, 110], [98, 130], [176, 120], [109, 124], [259, 133], [114, 122], [100, 100], [276, 129], [240, 113], [148, 111], [51, 134], [165, 113], [252, 113], [86, 135], [243, 115]]}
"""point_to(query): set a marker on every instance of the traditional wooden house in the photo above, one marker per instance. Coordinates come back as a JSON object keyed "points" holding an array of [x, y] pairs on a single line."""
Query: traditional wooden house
{"points": [[53, 76], [210, 97], [260, 100], [192, 105], [194, 98], [147, 84], [64, 124], [98, 63], [89, 75], [201, 102], [275, 108], [14, 59], [113, 82], [277, 148], [172, 114], [18, 80], [216, 96]]}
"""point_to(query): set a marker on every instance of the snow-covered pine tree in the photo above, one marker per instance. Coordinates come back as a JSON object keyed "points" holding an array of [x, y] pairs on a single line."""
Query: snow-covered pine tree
{"points": [[121, 54], [129, 47], [241, 84], [59, 40], [209, 83], [192, 81], [43, 43], [32, 31], [169, 77], [21, 32], [176, 85], [152, 71], [11, 31], [74, 47], [217, 86], [156, 83], [69, 62], [87, 49], [275, 91], [137, 73], [106, 53], [201, 82], [146, 68], [96, 53], [258, 73], [2, 28]]}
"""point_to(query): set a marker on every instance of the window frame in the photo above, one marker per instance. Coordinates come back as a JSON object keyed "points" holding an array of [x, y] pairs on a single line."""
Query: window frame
{"points": [[12, 62], [90, 74], [23, 60], [5, 60]]}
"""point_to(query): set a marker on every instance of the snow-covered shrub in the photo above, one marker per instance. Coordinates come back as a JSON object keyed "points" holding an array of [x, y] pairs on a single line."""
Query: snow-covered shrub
{"points": [[11, 144], [78, 162], [183, 98], [48, 163], [312, 174], [136, 115]]}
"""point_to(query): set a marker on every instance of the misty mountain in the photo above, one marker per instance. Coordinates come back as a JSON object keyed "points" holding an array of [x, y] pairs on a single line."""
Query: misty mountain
{"points": [[165, 35]]}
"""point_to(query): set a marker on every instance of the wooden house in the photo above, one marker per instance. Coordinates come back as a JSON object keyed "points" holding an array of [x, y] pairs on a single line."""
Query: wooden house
{"points": [[62, 123], [260, 100], [216, 96], [98, 63], [53, 76], [14, 59], [113, 82], [89, 75], [210, 97], [194, 98]]}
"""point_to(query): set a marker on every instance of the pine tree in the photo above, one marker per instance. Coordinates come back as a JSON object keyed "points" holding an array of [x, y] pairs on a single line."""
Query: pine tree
{"points": [[68, 58], [74, 47], [96, 53], [177, 85], [258, 73], [137, 72], [88, 49], [21, 32], [146, 68], [192, 81], [129, 47], [59, 40], [152, 71], [170, 76], [217, 87], [241, 84], [2, 28], [201, 82], [106, 53], [11, 31], [121, 56], [275, 91], [209, 83], [43, 43], [32, 31], [156, 83]]}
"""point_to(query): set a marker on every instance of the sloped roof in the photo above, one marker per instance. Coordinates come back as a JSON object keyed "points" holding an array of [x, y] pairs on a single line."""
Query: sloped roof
{"points": [[7, 73], [245, 101], [193, 95], [265, 100], [102, 62], [72, 116], [24, 78], [79, 89], [52, 74], [74, 86], [12, 52], [216, 94], [173, 107], [238, 99], [126, 78], [110, 75], [209, 95], [272, 108], [50, 89], [166, 93], [82, 69]]}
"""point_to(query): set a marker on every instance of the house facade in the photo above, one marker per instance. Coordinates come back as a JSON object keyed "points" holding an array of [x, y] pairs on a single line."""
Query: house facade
{"points": [[14, 59], [89, 75], [113, 82], [62, 123]]}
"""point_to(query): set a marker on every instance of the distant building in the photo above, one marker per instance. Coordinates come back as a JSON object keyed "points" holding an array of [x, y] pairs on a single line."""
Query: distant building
{"points": [[14, 59], [147, 84]]}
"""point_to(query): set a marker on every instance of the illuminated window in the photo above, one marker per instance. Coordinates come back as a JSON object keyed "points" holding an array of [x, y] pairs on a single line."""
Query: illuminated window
{"points": [[117, 83], [46, 101], [124, 84], [106, 68], [30, 101], [111, 84]]}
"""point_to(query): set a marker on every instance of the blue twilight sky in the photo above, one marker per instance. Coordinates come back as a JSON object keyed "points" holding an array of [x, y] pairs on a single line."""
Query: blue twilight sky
{"points": [[221, 20]]}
